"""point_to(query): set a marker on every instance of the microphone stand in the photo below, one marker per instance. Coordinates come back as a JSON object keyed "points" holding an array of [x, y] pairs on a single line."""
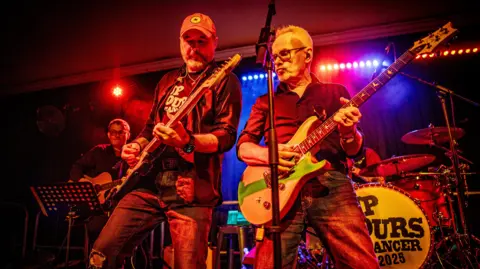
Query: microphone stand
{"points": [[464, 246], [264, 58]]}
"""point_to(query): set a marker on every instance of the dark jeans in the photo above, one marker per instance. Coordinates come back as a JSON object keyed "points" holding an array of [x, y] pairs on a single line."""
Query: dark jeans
{"points": [[330, 207], [137, 214], [95, 225]]}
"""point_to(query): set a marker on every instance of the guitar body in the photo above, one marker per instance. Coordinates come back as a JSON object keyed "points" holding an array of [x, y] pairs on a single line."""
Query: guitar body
{"points": [[101, 179], [133, 174], [254, 194]]}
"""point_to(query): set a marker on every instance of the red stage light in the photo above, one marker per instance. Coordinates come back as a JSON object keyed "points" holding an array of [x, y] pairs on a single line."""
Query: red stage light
{"points": [[117, 91]]}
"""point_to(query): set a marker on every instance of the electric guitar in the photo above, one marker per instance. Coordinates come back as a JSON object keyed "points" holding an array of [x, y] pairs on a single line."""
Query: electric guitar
{"points": [[254, 191], [149, 153]]}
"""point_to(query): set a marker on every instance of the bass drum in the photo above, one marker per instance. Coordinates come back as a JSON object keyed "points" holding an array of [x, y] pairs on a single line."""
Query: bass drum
{"points": [[399, 228]]}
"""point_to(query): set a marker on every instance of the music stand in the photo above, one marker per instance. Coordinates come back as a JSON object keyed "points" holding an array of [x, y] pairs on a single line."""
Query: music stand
{"points": [[76, 199]]}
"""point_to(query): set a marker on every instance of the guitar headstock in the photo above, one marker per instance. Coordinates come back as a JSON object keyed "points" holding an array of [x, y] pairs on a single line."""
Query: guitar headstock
{"points": [[430, 43], [222, 71]]}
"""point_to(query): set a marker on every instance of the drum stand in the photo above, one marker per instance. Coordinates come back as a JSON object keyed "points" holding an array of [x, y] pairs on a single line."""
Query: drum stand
{"points": [[457, 247], [462, 247]]}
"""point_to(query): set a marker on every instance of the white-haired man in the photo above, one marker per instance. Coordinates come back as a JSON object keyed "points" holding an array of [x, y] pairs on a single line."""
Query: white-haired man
{"points": [[329, 202]]}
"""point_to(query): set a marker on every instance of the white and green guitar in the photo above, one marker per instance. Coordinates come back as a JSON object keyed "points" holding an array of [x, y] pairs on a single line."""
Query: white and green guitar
{"points": [[254, 192]]}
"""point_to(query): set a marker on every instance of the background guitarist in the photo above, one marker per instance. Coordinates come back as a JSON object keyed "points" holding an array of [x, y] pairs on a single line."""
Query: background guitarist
{"points": [[328, 203], [184, 184], [101, 164]]}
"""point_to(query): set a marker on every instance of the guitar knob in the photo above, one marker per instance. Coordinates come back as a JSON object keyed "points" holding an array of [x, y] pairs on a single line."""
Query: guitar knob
{"points": [[281, 186], [266, 205]]}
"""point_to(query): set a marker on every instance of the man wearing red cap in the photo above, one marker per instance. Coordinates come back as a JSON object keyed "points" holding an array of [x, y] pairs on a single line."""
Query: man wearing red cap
{"points": [[185, 182]]}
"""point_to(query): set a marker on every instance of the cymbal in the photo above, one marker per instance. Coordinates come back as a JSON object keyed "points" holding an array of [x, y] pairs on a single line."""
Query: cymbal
{"points": [[437, 135], [397, 165]]}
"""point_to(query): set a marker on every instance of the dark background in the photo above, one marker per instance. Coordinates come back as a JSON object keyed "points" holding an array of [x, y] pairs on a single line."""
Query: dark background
{"points": [[35, 155]]}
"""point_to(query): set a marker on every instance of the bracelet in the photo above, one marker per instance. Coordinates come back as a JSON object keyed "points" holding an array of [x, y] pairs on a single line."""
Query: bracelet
{"points": [[137, 144]]}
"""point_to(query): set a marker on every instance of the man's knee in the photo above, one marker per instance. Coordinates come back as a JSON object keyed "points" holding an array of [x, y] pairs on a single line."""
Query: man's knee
{"points": [[97, 260]]}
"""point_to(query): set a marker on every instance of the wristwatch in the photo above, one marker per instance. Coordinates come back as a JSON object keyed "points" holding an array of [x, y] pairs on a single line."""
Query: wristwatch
{"points": [[190, 146]]}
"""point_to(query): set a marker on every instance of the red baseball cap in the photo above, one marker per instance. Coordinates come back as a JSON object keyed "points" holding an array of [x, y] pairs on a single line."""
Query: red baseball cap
{"points": [[200, 22]]}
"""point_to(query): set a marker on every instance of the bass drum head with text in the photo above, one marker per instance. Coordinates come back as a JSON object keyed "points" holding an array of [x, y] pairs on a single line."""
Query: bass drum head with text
{"points": [[399, 229]]}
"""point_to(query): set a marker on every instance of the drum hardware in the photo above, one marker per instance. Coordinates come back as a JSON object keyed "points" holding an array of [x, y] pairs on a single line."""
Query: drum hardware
{"points": [[469, 193], [447, 246], [431, 136], [418, 174], [462, 248], [397, 165]]}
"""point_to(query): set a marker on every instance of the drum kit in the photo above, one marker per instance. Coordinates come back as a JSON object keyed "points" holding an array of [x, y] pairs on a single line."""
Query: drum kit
{"points": [[414, 217]]}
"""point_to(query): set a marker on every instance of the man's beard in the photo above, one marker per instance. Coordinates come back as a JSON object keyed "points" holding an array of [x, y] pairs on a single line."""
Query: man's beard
{"points": [[196, 61], [196, 64]]}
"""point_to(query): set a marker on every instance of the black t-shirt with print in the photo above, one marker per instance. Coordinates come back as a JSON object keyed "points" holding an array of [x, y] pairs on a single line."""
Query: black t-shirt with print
{"points": [[166, 169]]}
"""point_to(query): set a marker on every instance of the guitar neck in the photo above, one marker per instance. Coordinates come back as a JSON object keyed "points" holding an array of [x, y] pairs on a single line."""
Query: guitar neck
{"points": [[109, 185], [329, 125], [186, 108]]}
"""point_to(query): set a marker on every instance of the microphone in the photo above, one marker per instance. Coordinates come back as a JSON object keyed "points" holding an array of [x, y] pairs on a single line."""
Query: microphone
{"points": [[380, 65]]}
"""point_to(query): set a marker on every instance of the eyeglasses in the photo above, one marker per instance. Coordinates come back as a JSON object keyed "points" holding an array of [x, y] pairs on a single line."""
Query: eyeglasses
{"points": [[117, 133], [285, 54]]}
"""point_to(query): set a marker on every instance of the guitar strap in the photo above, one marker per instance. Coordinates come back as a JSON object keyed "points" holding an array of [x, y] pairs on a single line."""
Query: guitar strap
{"points": [[181, 74]]}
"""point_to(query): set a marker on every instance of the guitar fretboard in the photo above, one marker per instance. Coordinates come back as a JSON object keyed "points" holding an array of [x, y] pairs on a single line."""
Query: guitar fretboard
{"points": [[110, 185], [329, 125]]}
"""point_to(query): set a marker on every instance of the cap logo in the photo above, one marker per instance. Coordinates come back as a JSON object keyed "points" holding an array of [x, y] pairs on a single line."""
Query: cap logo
{"points": [[195, 19]]}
